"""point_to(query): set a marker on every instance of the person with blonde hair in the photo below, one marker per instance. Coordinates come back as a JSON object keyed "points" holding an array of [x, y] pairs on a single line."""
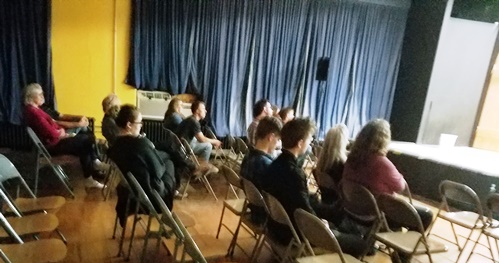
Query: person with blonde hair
{"points": [[368, 165], [331, 161], [173, 117], [111, 106]]}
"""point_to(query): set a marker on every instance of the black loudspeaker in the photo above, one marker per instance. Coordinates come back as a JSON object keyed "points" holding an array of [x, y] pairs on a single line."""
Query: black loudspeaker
{"points": [[322, 69]]}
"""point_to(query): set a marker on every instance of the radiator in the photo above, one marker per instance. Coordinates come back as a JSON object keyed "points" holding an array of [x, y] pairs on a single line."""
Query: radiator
{"points": [[154, 130]]}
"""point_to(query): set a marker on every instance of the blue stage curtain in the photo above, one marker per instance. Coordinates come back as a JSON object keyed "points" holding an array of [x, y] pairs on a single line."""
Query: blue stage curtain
{"points": [[236, 52], [25, 55]]}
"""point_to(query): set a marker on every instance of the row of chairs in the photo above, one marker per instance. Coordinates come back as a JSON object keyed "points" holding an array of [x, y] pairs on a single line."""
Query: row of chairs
{"points": [[32, 216]]}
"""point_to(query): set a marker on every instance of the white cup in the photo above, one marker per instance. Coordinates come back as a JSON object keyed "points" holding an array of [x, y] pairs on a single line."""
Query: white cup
{"points": [[447, 140]]}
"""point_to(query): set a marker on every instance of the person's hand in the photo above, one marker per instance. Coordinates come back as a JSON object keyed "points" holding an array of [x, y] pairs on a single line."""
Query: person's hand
{"points": [[83, 122], [217, 143], [62, 133]]}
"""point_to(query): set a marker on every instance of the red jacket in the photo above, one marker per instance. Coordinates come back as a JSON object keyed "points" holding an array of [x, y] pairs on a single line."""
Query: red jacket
{"points": [[42, 124]]}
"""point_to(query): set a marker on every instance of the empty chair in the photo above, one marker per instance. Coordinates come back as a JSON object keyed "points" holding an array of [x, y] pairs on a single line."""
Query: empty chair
{"points": [[39, 251], [235, 205], [230, 144], [492, 228], [8, 172], [456, 194], [277, 213], [218, 152], [254, 201], [316, 233], [242, 149], [410, 242], [203, 176], [43, 154], [31, 225]]}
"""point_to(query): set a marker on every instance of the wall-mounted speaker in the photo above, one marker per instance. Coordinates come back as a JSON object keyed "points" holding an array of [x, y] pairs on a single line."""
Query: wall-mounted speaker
{"points": [[322, 69]]}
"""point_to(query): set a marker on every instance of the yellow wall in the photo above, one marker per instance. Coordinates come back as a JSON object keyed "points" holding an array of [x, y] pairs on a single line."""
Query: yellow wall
{"points": [[82, 54]]}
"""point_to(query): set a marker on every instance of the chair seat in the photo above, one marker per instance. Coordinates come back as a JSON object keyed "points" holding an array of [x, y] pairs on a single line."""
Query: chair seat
{"points": [[491, 232], [406, 241], [257, 229], [32, 224], [235, 205], [328, 258], [463, 218], [49, 203], [40, 251], [209, 246]]}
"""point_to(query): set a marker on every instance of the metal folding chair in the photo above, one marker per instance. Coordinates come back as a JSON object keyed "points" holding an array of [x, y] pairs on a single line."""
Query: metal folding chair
{"points": [[277, 213], [492, 228], [411, 242], [203, 177], [315, 232], [39, 251], [456, 194], [43, 154], [236, 205]]}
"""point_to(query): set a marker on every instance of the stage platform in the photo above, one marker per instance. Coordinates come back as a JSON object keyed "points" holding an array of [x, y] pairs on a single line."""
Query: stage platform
{"points": [[425, 166]]}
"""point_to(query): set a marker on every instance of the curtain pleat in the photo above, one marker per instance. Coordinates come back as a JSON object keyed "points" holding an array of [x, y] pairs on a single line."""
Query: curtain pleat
{"points": [[25, 54], [233, 53]]}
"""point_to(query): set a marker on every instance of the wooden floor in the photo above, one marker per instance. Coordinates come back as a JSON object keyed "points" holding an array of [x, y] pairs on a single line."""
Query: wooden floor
{"points": [[87, 222]]}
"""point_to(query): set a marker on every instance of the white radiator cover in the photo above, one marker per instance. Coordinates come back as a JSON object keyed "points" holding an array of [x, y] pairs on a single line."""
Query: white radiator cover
{"points": [[153, 104]]}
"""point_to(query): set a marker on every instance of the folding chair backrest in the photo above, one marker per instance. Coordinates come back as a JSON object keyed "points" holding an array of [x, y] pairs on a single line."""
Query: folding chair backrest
{"points": [[231, 176], [167, 216], [8, 171], [400, 211], [141, 194], [493, 205], [209, 133], [461, 196], [8, 228], [189, 151], [190, 247], [314, 231], [10, 202], [242, 148], [359, 202], [38, 144], [123, 180], [230, 142], [253, 195], [277, 212]]}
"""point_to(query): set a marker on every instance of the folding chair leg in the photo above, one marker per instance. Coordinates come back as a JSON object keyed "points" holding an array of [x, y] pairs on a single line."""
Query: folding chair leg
{"points": [[134, 225], [123, 230], [220, 223], [474, 246], [465, 243], [61, 236], [37, 173], [208, 186], [187, 184], [258, 241], [146, 239]]}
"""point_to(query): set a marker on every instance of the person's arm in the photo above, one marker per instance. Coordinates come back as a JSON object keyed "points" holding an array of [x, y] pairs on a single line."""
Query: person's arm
{"points": [[392, 178], [298, 182], [72, 121], [42, 124], [201, 138]]}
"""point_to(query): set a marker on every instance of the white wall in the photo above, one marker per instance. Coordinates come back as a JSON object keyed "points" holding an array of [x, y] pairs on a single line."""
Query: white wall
{"points": [[461, 65]]}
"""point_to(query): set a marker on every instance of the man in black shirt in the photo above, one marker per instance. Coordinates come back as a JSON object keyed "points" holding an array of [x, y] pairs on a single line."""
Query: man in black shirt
{"points": [[190, 129]]}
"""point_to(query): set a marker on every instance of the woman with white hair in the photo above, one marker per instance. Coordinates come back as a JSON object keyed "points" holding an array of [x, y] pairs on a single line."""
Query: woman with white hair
{"points": [[57, 140], [111, 106], [331, 161]]}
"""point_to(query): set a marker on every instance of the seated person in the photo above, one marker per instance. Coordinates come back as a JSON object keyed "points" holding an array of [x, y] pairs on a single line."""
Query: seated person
{"points": [[287, 182], [368, 165], [111, 106], [259, 158], [261, 109], [136, 154], [173, 117], [190, 129], [71, 123], [329, 168], [57, 140], [286, 114]]}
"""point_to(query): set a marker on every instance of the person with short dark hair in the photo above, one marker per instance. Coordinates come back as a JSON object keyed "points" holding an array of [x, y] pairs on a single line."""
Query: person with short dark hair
{"points": [[190, 129], [286, 181], [261, 109], [286, 114], [136, 154]]}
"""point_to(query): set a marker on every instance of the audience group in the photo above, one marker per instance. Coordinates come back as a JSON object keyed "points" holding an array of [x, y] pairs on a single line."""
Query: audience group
{"points": [[157, 167]]}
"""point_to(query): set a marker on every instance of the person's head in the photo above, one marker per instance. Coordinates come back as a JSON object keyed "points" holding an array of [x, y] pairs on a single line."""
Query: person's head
{"points": [[33, 95], [129, 120], [296, 135], [275, 110], [287, 114], [262, 108], [198, 109], [174, 106], [372, 139], [110, 101], [268, 131], [334, 148]]}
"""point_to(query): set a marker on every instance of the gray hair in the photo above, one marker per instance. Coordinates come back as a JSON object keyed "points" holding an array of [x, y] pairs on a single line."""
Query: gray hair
{"points": [[30, 91]]}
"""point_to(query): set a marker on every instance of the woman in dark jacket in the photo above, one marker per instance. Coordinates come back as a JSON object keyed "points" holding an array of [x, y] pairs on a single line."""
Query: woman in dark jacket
{"points": [[136, 154]]}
